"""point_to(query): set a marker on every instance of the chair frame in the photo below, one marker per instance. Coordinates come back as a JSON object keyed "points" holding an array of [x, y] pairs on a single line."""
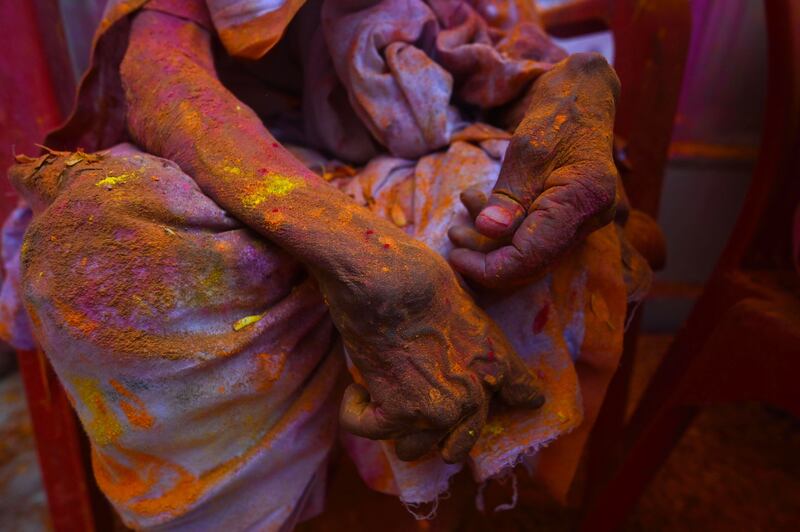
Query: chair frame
{"points": [[735, 297]]}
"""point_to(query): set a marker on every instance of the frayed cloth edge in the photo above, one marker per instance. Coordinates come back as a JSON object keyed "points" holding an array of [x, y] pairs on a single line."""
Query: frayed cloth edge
{"points": [[508, 470]]}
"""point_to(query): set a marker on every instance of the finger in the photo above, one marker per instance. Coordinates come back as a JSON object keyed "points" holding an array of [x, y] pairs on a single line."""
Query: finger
{"points": [[464, 236], [474, 200], [415, 446], [520, 387], [581, 200], [361, 417], [457, 444], [501, 267], [501, 216], [520, 181]]}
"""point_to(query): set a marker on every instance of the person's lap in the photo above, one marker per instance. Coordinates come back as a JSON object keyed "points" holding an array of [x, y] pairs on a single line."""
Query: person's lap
{"points": [[241, 361]]}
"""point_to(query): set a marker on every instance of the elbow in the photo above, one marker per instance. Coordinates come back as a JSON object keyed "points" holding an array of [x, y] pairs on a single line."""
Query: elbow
{"points": [[166, 56]]}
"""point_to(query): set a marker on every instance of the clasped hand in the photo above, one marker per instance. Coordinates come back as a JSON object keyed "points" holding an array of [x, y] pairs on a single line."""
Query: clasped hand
{"points": [[430, 358]]}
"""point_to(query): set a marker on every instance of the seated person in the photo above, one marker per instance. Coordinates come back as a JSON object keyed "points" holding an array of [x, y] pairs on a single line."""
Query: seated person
{"points": [[243, 248]]}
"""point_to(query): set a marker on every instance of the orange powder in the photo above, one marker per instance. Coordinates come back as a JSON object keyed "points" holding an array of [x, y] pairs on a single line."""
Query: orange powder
{"points": [[135, 410]]}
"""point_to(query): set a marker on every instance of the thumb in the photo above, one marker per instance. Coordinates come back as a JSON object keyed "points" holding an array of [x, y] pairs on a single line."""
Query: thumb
{"points": [[361, 417], [515, 190], [501, 216], [519, 388]]}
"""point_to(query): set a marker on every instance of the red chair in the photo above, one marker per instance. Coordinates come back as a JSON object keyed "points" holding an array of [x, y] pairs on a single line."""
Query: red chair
{"points": [[742, 339]]}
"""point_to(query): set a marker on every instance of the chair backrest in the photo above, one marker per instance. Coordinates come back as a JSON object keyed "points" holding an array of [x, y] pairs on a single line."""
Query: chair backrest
{"points": [[651, 40]]}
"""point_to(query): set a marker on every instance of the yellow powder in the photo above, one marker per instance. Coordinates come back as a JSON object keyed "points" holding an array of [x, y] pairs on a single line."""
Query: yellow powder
{"points": [[273, 185], [103, 427], [110, 181], [246, 321]]}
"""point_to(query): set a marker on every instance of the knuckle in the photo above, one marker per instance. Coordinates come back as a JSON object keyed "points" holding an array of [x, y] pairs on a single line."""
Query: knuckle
{"points": [[596, 193], [587, 61], [606, 188], [472, 402], [594, 63], [531, 146], [446, 414]]}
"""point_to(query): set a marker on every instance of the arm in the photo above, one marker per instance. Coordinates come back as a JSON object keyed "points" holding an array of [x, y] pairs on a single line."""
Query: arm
{"points": [[430, 357], [557, 182]]}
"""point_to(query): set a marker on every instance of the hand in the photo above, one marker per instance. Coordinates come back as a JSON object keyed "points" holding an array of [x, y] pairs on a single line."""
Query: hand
{"points": [[557, 182], [430, 358]]}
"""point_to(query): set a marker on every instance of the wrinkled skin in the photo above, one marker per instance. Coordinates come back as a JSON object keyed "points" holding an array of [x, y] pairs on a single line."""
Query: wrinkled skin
{"points": [[557, 183], [431, 360]]}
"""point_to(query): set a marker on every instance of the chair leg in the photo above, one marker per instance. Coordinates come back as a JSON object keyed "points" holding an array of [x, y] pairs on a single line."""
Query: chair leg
{"points": [[604, 451], [65, 475], [608, 511], [655, 427]]}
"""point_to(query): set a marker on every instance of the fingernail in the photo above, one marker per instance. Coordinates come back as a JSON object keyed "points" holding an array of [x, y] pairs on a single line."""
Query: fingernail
{"points": [[497, 216]]}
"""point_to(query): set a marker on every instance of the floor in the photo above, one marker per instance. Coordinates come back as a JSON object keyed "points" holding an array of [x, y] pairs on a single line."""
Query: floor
{"points": [[736, 468]]}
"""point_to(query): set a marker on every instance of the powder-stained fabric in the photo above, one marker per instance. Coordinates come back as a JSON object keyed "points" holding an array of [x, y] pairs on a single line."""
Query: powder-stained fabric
{"points": [[199, 357]]}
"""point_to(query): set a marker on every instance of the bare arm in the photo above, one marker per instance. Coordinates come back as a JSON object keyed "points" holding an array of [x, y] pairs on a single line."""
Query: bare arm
{"points": [[179, 110], [430, 357]]}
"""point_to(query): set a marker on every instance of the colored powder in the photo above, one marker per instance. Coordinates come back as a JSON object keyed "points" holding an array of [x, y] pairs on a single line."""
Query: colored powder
{"points": [[269, 369], [110, 181], [119, 482], [135, 410], [493, 429], [104, 427], [541, 319], [247, 321], [273, 185]]}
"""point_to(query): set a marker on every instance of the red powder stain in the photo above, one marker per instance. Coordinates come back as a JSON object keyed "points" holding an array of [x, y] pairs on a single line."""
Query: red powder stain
{"points": [[370, 232], [490, 354], [263, 170], [274, 144], [386, 246], [541, 319], [276, 210]]}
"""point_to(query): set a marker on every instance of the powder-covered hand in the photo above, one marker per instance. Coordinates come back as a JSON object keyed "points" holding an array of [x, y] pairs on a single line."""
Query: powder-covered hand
{"points": [[557, 182], [430, 358]]}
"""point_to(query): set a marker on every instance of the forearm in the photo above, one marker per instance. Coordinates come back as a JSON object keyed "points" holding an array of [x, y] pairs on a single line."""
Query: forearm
{"points": [[179, 110]]}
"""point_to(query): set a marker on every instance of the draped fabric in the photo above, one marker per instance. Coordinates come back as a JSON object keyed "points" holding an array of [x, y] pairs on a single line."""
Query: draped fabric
{"points": [[208, 377]]}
